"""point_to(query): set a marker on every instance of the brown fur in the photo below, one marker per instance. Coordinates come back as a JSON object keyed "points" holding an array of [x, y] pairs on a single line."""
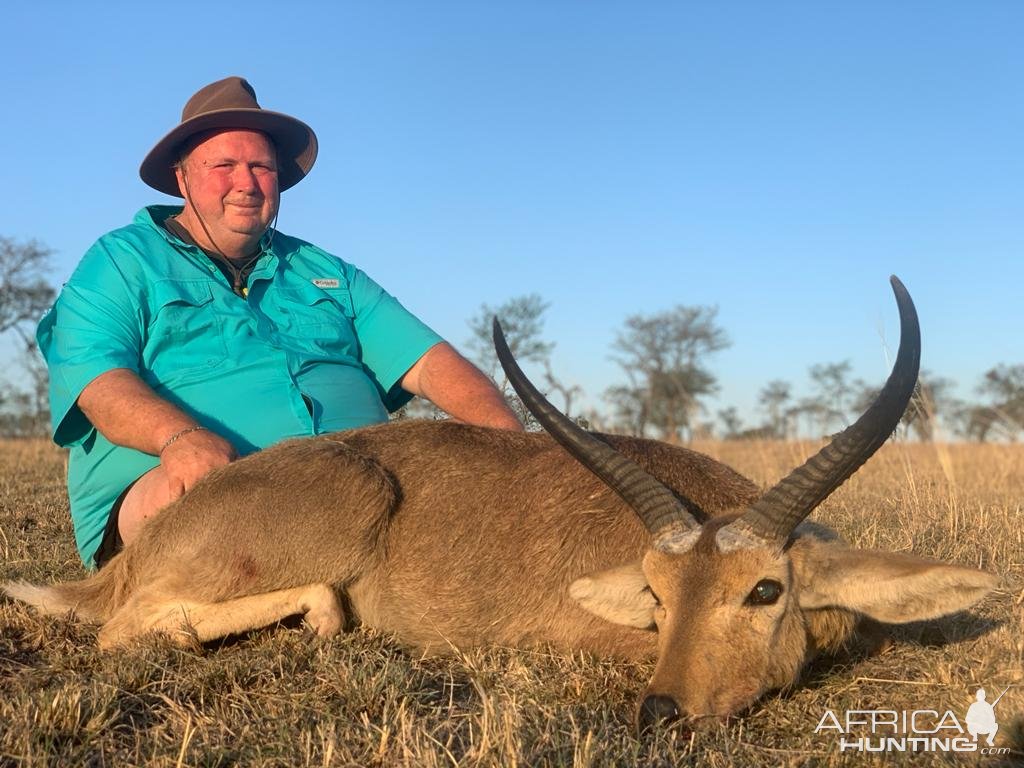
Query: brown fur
{"points": [[451, 536]]}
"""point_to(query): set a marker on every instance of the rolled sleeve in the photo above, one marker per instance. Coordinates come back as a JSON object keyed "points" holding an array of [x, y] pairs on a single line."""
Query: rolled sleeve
{"points": [[91, 329], [391, 338]]}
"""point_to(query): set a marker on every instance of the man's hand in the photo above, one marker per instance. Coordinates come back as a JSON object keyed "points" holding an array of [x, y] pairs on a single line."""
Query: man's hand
{"points": [[121, 406], [190, 457]]}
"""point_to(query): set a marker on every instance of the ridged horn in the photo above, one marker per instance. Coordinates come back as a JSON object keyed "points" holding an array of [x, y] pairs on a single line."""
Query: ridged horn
{"points": [[654, 503], [774, 516]]}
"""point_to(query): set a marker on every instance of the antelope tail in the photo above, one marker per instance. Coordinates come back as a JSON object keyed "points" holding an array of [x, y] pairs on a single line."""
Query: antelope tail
{"points": [[93, 599]]}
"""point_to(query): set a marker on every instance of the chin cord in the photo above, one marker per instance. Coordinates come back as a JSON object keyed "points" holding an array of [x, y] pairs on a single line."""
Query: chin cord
{"points": [[188, 199], [237, 286]]}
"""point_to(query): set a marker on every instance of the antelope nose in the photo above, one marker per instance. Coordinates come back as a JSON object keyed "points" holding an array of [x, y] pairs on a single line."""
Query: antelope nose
{"points": [[657, 710]]}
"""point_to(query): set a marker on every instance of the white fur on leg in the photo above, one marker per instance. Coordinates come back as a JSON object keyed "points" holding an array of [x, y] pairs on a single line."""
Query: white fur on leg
{"points": [[190, 621]]}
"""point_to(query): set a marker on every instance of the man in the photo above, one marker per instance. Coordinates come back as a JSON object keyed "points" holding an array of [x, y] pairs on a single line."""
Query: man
{"points": [[200, 333]]}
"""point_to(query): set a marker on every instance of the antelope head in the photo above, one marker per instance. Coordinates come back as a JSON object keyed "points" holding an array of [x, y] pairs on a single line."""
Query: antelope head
{"points": [[736, 600]]}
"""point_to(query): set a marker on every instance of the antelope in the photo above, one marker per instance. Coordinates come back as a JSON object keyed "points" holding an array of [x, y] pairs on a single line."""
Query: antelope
{"points": [[451, 536]]}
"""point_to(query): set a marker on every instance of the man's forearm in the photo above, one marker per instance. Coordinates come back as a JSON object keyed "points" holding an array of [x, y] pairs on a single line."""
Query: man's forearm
{"points": [[128, 413], [457, 387]]}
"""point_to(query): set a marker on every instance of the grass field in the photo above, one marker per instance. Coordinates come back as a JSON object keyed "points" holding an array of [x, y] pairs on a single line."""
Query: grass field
{"points": [[280, 697]]}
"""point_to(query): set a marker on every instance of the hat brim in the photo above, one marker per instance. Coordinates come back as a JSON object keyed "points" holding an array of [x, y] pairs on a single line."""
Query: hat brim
{"points": [[295, 142]]}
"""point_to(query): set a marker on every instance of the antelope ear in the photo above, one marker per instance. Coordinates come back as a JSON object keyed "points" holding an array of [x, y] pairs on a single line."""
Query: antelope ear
{"points": [[619, 595], [887, 586]]}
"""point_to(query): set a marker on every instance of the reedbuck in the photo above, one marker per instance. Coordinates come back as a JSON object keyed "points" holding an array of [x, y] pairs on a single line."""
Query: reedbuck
{"points": [[454, 536]]}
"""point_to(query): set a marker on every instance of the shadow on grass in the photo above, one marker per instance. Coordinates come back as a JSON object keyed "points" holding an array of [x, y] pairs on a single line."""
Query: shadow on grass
{"points": [[945, 631], [872, 638]]}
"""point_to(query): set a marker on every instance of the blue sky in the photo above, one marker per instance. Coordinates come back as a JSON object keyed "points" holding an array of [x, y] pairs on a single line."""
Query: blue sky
{"points": [[779, 160]]}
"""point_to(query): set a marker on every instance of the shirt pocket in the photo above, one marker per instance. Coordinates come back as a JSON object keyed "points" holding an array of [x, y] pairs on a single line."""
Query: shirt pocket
{"points": [[315, 319], [185, 337]]}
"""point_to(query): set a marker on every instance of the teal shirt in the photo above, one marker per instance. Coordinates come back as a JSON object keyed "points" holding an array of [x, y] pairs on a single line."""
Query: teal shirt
{"points": [[316, 346]]}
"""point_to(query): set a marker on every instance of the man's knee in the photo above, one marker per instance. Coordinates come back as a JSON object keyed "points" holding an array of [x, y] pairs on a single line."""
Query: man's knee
{"points": [[150, 494]]}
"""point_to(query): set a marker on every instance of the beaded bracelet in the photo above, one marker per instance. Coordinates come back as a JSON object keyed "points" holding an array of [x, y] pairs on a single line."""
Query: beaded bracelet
{"points": [[176, 435]]}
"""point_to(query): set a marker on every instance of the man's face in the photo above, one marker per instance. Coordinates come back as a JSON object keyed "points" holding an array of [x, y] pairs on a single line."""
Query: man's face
{"points": [[231, 180]]}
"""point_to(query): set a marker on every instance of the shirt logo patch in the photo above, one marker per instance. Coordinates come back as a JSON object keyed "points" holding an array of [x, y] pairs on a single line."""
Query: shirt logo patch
{"points": [[326, 282]]}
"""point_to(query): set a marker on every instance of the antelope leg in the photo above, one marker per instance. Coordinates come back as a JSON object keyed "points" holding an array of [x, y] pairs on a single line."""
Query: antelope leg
{"points": [[187, 620]]}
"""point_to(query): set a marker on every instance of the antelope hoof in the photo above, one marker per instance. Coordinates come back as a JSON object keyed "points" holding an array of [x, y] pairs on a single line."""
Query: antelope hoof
{"points": [[323, 612]]}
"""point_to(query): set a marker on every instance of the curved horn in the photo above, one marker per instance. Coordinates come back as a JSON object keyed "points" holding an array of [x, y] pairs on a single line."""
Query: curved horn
{"points": [[654, 503], [774, 516]]}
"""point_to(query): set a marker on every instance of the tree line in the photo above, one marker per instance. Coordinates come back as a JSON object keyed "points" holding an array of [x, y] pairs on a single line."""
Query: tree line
{"points": [[665, 358]]}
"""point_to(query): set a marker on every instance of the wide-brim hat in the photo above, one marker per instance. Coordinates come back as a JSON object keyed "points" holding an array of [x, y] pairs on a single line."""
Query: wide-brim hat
{"points": [[225, 104]]}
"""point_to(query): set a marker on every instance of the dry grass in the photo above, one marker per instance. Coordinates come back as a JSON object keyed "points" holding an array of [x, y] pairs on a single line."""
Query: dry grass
{"points": [[279, 697]]}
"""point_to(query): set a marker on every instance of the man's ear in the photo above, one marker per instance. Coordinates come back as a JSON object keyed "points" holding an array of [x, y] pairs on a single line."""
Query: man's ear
{"points": [[619, 595], [887, 586], [179, 175]]}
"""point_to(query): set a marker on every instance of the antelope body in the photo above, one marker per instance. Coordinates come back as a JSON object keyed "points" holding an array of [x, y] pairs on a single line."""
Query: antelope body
{"points": [[451, 536]]}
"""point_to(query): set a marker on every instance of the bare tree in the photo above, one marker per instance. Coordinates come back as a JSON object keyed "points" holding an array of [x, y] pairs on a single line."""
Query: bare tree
{"points": [[774, 396], [976, 422], [663, 356], [932, 397], [568, 393], [1004, 384], [522, 319], [24, 295], [24, 292], [833, 393], [731, 422], [25, 411], [630, 405], [813, 412]]}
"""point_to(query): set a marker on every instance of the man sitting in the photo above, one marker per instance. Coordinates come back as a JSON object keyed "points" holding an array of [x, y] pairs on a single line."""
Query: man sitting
{"points": [[200, 333]]}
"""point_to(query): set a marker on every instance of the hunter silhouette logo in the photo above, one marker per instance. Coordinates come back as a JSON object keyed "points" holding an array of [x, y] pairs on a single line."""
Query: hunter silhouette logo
{"points": [[981, 716], [918, 730]]}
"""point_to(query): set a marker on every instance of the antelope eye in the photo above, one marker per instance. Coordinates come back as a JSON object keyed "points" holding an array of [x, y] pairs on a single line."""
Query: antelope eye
{"points": [[765, 592]]}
